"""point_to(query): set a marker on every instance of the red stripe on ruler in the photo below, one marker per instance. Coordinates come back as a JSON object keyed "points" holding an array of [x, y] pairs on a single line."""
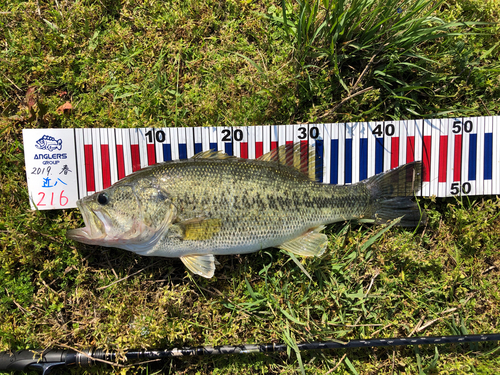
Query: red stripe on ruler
{"points": [[410, 149], [304, 156], [426, 174], [120, 161], [106, 173], [259, 150], [151, 154], [457, 162], [136, 159], [443, 157], [394, 152], [244, 150], [274, 145], [89, 167]]}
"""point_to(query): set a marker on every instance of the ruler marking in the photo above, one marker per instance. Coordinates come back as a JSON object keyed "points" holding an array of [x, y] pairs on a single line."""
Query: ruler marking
{"points": [[198, 140], [304, 157], [89, 168], [379, 155], [363, 151], [496, 158], [213, 138], [443, 155], [348, 155], [458, 158], [480, 130], [410, 149], [341, 153], [273, 134], [244, 143], [112, 155], [150, 144], [472, 156], [189, 134], [183, 149], [105, 159], [319, 146], [136, 160], [259, 141], [106, 170], [488, 156], [394, 152], [89, 160], [427, 158], [335, 160], [371, 149], [363, 163], [96, 150], [327, 146], [81, 167]]}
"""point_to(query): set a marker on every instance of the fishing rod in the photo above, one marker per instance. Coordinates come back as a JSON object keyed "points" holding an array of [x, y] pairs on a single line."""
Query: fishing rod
{"points": [[47, 360]]}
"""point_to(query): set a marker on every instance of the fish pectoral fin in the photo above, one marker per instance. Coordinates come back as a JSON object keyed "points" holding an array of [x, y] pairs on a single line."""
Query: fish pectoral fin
{"points": [[203, 265], [311, 243], [200, 228]]}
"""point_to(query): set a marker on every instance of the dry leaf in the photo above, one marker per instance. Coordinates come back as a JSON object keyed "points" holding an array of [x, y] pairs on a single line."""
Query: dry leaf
{"points": [[65, 108]]}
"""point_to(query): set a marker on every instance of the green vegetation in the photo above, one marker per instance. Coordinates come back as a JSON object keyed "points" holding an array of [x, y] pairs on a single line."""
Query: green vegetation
{"points": [[192, 63]]}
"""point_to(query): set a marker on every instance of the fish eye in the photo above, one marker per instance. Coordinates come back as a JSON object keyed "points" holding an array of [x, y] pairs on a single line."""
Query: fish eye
{"points": [[103, 198]]}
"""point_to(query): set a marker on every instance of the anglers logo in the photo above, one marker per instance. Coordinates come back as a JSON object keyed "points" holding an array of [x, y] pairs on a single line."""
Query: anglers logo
{"points": [[49, 143]]}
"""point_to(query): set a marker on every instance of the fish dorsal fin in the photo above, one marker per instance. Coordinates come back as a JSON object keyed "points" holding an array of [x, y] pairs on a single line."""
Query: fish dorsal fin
{"points": [[212, 154], [299, 155]]}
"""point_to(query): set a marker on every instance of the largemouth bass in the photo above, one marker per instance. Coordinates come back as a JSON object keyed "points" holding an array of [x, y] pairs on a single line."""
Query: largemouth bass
{"points": [[215, 204]]}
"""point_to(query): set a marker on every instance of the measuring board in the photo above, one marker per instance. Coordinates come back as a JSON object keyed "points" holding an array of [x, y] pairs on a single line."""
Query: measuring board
{"points": [[461, 156]]}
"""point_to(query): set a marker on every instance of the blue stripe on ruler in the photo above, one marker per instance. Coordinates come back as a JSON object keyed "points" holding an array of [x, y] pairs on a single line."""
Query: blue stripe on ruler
{"points": [[334, 162], [182, 151], [348, 160], [472, 156], [228, 148], [213, 146], [167, 152], [379, 155], [363, 159], [198, 148], [319, 160], [488, 156]]}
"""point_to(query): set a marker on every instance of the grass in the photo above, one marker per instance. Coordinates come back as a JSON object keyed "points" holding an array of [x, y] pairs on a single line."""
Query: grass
{"points": [[133, 63]]}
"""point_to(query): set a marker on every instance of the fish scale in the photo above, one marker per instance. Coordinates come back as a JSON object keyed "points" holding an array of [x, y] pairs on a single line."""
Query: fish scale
{"points": [[213, 204]]}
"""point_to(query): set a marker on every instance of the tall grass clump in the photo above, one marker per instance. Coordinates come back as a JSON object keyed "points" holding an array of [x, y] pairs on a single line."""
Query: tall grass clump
{"points": [[387, 50]]}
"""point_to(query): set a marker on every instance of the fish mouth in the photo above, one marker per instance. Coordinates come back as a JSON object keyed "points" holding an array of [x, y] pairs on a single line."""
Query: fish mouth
{"points": [[95, 230]]}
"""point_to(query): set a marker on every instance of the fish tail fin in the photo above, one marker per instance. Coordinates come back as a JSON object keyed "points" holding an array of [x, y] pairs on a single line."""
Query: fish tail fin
{"points": [[391, 196]]}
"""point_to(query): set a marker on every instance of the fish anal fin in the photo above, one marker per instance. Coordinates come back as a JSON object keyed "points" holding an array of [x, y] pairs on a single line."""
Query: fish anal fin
{"points": [[311, 243], [200, 228], [203, 265], [299, 155]]}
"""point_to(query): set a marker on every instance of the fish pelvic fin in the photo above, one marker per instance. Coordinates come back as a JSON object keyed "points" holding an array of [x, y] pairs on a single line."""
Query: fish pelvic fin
{"points": [[203, 265], [299, 155], [311, 243], [391, 196]]}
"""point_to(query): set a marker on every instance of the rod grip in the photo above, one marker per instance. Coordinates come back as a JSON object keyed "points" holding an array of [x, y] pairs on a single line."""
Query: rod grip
{"points": [[21, 360]]}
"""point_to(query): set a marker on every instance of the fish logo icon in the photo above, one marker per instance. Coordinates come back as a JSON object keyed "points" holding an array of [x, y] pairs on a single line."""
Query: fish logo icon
{"points": [[49, 143]]}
